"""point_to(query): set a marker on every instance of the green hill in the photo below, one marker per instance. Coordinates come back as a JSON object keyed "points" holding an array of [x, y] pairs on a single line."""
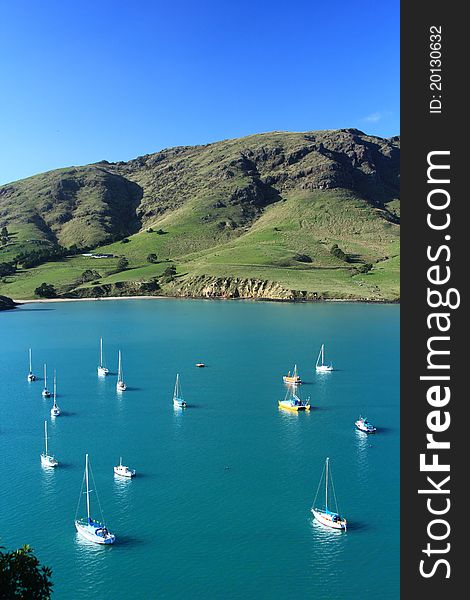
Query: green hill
{"points": [[258, 216]]}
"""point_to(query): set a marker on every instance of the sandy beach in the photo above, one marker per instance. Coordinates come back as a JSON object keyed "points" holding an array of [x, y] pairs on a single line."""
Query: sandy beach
{"points": [[48, 300]]}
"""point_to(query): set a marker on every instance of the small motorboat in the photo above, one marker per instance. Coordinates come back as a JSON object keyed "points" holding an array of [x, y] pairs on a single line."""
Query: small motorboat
{"points": [[365, 426], [200, 365], [123, 471]]}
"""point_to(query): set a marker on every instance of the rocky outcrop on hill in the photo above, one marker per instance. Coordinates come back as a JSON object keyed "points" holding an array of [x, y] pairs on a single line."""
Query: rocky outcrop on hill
{"points": [[6, 303]]}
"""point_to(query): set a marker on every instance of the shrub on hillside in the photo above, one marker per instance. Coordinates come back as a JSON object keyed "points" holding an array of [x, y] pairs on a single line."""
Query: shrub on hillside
{"points": [[304, 258], [7, 268], [168, 274], [338, 253], [122, 264], [46, 290]]}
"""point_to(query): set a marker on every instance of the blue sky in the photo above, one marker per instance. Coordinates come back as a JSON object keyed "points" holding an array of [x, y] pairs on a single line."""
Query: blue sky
{"points": [[84, 81]]}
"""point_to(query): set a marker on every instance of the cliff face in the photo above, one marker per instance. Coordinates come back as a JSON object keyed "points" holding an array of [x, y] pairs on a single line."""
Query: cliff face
{"points": [[223, 288], [204, 286]]}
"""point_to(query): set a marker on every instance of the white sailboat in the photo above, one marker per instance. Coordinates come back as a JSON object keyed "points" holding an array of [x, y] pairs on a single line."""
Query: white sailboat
{"points": [[45, 392], [31, 375], [102, 370], [178, 401], [120, 385], [46, 459], [91, 530], [122, 470], [320, 366], [324, 515], [55, 410]]}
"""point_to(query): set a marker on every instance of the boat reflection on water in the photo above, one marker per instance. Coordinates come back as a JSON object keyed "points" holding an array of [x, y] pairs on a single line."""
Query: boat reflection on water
{"points": [[363, 443], [291, 426], [48, 480], [122, 487]]}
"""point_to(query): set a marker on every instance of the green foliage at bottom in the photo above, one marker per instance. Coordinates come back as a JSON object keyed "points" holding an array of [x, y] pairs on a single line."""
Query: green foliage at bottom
{"points": [[22, 576]]}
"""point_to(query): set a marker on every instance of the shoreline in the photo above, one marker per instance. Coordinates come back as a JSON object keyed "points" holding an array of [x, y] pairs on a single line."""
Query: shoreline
{"points": [[43, 300], [339, 300]]}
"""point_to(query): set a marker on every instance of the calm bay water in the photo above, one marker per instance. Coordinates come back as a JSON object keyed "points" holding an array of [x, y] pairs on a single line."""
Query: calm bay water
{"points": [[220, 507]]}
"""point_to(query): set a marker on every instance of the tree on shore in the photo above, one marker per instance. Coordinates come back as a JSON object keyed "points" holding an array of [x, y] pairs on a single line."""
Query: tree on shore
{"points": [[152, 258], [22, 576], [46, 290]]}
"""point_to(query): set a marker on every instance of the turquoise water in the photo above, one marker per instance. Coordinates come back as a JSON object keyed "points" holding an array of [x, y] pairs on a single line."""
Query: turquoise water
{"points": [[220, 507]]}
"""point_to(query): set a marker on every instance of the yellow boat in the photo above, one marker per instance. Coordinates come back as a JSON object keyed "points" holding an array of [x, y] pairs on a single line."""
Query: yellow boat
{"points": [[293, 379], [293, 403]]}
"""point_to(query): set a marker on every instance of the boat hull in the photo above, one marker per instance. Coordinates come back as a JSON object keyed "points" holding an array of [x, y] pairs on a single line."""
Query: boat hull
{"points": [[323, 369], [364, 429], [127, 474], [293, 407], [327, 520], [292, 380], [48, 461], [89, 532], [31, 377], [55, 412], [121, 387], [102, 371], [46, 394]]}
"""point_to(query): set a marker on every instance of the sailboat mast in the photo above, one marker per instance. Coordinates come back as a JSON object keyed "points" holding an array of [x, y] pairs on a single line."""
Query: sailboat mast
{"points": [[119, 366], [55, 388], [45, 434], [326, 484], [323, 354], [30, 361], [101, 352], [45, 377], [87, 490]]}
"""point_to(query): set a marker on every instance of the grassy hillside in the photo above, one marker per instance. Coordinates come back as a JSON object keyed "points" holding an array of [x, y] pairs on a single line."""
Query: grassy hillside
{"points": [[267, 207]]}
